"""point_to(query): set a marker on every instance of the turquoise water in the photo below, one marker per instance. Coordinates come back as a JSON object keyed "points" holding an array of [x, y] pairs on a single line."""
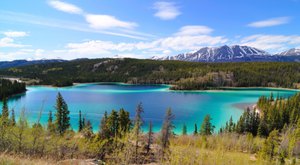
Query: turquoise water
{"points": [[93, 100]]}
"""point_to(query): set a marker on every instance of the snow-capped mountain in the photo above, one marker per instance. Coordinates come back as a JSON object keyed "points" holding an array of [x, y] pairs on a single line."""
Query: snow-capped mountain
{"points": [[291, 52], [235, 53]]}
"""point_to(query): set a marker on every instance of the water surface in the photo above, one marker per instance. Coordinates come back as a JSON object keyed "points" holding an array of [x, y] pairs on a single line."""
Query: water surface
{"points": [[93, 100]]}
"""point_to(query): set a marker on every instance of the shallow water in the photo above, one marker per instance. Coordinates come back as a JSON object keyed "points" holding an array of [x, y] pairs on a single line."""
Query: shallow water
{"points": [[93, 100]]}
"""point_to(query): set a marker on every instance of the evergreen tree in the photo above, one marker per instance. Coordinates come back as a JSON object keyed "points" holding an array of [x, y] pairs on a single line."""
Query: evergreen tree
{"points": [[166, 132], [50, 121], [138, 122], [80, 126], [5, 112], [230, 125], [83, 122], [240, 126], [221, 130], [13, 117], [184, 130], [207, 128], [149, 138], [104, 130], [262, 128], [62, 120], [87, 131], [195, 130], [270, 147], [113, 124], [248, 124], [124, 121]]}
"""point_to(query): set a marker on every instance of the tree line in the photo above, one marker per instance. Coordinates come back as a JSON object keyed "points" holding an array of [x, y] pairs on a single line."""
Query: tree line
{"points": [[9, 88], [276, 119], [182, 75]]}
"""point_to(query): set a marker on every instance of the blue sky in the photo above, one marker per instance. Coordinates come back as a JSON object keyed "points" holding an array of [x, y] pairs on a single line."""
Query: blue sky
{"points": [[69, 29]]}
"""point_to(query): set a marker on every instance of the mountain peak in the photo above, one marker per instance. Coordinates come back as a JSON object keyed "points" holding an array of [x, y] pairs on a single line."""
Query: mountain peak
{"points": [[219, 54], [290, 52]]}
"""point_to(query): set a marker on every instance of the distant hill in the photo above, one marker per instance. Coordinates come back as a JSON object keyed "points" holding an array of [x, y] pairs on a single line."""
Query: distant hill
{"points": [[181, 74], [234, 53], [17, 63]]}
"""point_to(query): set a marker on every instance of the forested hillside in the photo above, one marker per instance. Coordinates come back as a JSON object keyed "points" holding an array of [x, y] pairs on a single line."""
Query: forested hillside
{"points": [[183, 75], [8, 88]]}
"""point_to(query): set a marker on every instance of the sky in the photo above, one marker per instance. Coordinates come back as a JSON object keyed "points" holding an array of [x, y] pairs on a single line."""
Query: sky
{"points": [[70, 29]]}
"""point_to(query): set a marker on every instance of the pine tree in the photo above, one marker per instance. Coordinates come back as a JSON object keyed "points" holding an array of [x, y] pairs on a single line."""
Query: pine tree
{"points": [[221, 130], [240, 126], [138, 122], [13, 117], [50, 125], [80, 122], [270, 147], [248, 124], [124, 121], [195, 130], [184, 130], [149, 138], [271, 97], [230, 125], [62, 120], [166, 132], [87, 130], [50, 119], [207, 128], [5, 113], [104, 130], [83, 122], [113, 124], [262, 128]]}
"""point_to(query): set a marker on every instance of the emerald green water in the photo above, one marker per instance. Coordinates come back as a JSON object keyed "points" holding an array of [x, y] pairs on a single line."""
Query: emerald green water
{"points": [[93, 100]]}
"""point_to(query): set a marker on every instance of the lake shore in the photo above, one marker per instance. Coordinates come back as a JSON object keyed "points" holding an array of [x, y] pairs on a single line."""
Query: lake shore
{"points": [[175, 90]]}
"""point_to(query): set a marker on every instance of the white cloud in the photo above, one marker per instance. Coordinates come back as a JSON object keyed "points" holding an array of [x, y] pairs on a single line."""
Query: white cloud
{"points": [[100, 21], [166, 10], [274, 43], [39, 52], [162, 46], [270, 22], [10, 43], [194, 30], [107, 22], [65, 7], [15, 34], [69, 25]]}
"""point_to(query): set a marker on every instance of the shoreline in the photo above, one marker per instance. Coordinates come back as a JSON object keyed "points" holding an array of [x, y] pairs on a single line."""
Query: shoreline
{"points": [[170, 85]]}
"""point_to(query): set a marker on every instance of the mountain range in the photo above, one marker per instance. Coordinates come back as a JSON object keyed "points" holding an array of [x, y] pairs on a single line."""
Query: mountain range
{"points": [[17, 63], [235, 53]]}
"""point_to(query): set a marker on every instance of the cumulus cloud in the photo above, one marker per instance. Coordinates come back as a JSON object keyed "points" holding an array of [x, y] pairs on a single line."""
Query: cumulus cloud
{"points": [[7, 42], [96, 21], [107, 21], [186, 41], [194, 30], [270, 22], [20, 54], [166, 10], [15, 34], [271, 42], [65, 7]]}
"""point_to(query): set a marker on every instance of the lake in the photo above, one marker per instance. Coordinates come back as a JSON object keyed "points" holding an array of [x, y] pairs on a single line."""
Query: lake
{"points": [[189, 107]]}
